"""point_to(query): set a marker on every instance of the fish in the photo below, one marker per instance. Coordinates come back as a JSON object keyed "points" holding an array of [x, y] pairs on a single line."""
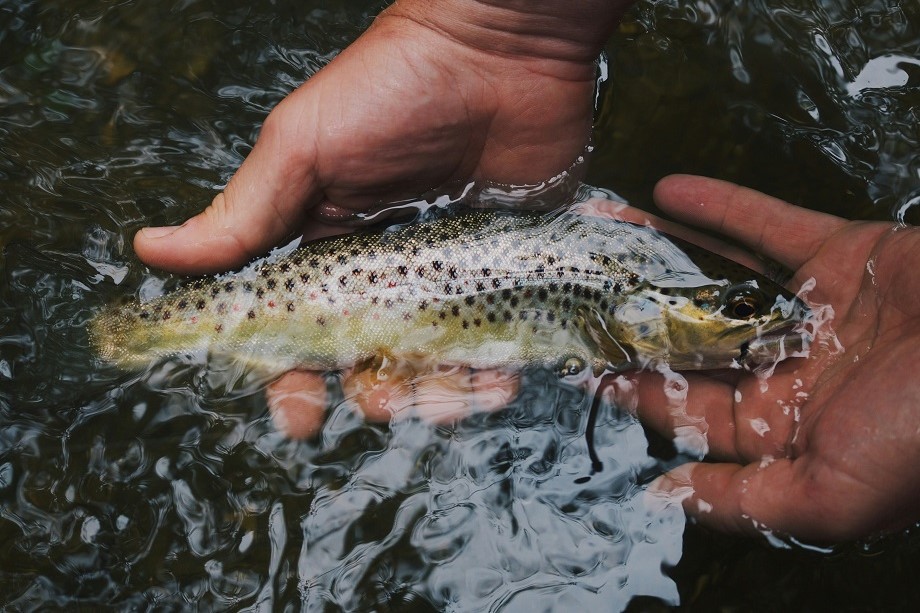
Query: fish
{"points": [[483, 289]]}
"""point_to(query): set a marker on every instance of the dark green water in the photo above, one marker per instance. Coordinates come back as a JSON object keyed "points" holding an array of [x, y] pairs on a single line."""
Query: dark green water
{"points": [[172, 490]]}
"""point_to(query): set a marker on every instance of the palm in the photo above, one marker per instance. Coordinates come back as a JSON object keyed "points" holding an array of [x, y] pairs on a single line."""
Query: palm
{"points": [[827, 446]]}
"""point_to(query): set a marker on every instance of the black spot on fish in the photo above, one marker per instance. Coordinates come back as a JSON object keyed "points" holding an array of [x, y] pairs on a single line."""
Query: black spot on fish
{"points": [[550, 260], [251, 314], [321, 321], [247, 287], [617, 288], [219, 328], [469, 300], [567, 288], [289, 284], [466, 324], [402, 270], [437, 265], [506, 294], [491, 317], [507, 316], [490, 299], [422, 305], [304, 277], [166, 315], [144, 315], [343, 280], [522, 315], [486, 272], [290, 307], [182, 304], [448, 288], [553, 288], [327, 269], [480, 286], [200, 305], [442, 315], [372, 277], [388, 303], [603, 305], [341, 259], [265, 272], [215, 291], [566, 304], [477, 322], [314, 263], [514, 301], [285, 267], [496, 283], [271, 283], [455, 311], [550, 316], [260, 293], [374, 299], [452, 272], [420, 271]]}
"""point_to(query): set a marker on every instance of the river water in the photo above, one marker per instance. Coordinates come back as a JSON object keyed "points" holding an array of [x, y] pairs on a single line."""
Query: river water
{"points": [[172, 490]]}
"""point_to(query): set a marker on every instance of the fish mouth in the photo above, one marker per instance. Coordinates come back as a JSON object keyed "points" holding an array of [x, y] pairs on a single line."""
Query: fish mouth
{"points": [[775, 346]]}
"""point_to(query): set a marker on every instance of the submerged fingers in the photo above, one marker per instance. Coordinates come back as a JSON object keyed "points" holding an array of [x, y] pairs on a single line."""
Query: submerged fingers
{"points": [[298, 401]]}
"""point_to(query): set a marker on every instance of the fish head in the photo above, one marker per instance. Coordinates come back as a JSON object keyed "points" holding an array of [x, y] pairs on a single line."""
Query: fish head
{"points": [[717, 325]]}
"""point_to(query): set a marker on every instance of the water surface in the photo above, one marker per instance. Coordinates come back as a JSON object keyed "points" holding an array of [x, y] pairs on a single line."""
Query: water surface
{"points": [[173, 489]]}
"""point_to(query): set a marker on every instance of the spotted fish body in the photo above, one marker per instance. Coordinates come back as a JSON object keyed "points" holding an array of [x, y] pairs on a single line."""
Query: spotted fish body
{"points": [[482, 289]]}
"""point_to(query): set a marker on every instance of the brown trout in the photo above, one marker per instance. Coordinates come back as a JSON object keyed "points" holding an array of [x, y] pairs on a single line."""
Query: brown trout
{"points": [[481, 289]]}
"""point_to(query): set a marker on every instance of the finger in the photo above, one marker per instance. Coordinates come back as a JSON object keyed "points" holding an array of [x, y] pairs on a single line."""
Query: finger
{"points": [[437, 396], [730, 416], [297, 402], [788, 497], [264, 203], [618, 210], [789, 234]]}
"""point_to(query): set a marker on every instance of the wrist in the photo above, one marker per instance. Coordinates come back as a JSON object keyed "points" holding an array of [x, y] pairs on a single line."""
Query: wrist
{"points": [[552, 32]]}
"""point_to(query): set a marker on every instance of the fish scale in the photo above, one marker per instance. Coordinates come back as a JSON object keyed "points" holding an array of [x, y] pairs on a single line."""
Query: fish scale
{"points": [[482, 289]]}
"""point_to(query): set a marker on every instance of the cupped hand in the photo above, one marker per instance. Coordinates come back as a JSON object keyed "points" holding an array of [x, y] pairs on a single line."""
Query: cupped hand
{"points": [[828, 447], [414, 105]]}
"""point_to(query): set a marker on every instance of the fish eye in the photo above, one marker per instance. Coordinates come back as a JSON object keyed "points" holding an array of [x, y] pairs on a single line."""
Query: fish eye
{"points": [[743, 303]]}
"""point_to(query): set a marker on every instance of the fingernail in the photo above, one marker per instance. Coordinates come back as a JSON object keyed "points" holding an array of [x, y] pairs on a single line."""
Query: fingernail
{"points": [[159, 232]]}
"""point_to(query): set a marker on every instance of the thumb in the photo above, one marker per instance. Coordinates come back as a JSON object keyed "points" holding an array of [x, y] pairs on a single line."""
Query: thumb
{"points": [[264, 203]]}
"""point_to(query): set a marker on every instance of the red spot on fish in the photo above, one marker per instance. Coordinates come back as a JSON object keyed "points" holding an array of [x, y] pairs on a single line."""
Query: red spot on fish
{"points": [[391, 283], [194, 320], [271, 304], [345, 312], [236, 307]]}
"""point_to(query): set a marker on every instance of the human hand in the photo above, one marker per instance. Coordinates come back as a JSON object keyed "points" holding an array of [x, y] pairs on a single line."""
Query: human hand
{"points": [[432, 96], [827, 448]]}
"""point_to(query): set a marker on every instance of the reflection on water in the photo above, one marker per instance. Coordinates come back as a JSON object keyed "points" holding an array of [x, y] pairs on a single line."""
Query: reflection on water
{"points": [[167, 490], [772, 95]]}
